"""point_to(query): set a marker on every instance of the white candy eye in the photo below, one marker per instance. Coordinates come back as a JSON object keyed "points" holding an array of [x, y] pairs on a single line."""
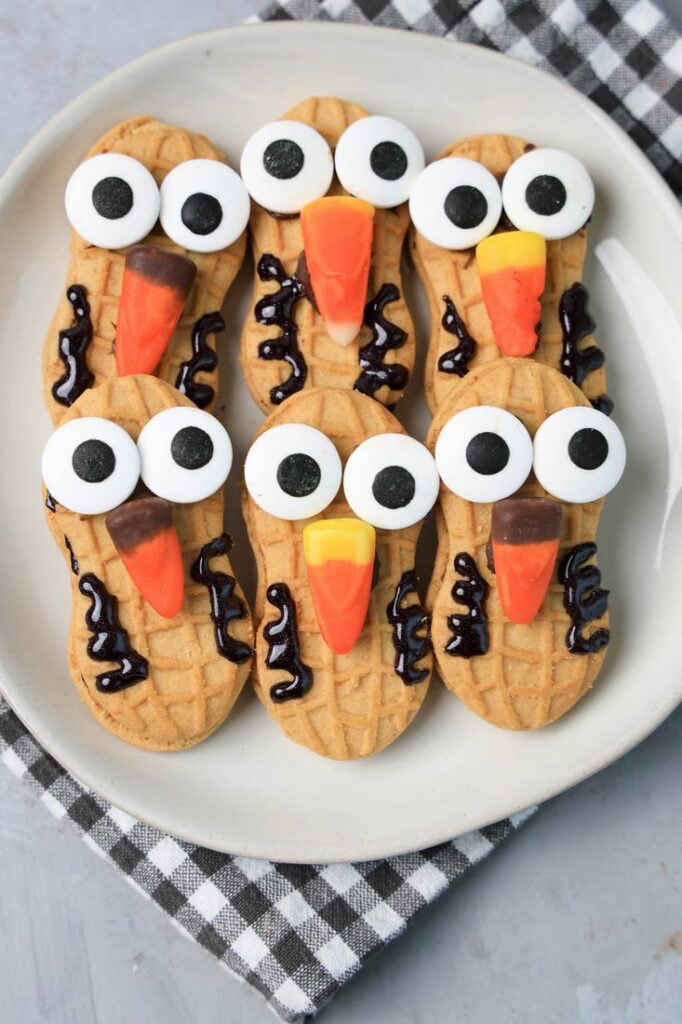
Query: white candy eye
{"points": [[112, 201], [484, 454], [549, 192], [455, 203], [285, 165], [292, 471], [204, 205], [185, 454], [378, 159], [391, 481], [579, 455], [90, 465]]}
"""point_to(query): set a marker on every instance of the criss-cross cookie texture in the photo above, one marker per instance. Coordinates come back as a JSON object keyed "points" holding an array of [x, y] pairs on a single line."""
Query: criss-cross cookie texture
{"points": [[357, 703], [160, 147], [528, 677], [190, 688], [327, 363], [455, 275]]}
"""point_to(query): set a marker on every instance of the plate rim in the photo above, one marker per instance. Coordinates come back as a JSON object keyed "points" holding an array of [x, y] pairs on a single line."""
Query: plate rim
{"points": [[657, 187]]}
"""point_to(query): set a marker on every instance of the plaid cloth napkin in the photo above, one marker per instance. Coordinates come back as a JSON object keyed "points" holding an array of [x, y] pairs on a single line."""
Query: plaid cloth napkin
{"points": [[296, 933]]}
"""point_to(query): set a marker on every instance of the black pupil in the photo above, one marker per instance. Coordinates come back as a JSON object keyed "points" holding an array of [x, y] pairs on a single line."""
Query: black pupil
{"points": [[298, 475], [192, 448], [487, 453], [201, 214], [588, 448], [93, 461], [546, 195], [465, 206], [283, 159], [393, 487], [388, 160], [112, 198]]}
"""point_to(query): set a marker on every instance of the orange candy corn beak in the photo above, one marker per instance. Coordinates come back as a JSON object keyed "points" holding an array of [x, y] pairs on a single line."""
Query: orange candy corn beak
{"points": [[154, 290], [525, 543], [337, 240], [511, 266], [144, 536], [339, 556]]}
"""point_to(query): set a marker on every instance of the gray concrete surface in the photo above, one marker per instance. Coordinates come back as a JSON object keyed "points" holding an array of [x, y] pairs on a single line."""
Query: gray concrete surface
{"points": [[577, 920]]}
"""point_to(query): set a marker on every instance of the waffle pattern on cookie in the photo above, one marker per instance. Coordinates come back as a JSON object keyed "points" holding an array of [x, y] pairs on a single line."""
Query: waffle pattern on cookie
{"points": [[357, 704], [160, 147], [328, 364], [454, 274], [527, 678], [190, 688]]}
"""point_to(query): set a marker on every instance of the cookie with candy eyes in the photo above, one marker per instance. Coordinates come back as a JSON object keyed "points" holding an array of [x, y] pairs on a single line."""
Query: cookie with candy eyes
{"points": [[499, 238], [161, 638], [329, 186], [334, 495], [157, 237], [519, 617]]}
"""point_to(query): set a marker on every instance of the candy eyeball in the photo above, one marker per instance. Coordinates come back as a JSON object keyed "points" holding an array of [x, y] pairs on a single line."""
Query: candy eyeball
{"points": [[292, 471], [579, 455], [391, 481], [484, 454], [378, 159], [549, 192], [204, 205], [112, 201], [185, 454], [90, 465], [285, 165], [455, 203]]}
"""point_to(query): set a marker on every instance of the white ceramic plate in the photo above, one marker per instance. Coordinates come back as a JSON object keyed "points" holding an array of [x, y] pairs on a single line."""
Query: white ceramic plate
{"points": [[247, 790]]}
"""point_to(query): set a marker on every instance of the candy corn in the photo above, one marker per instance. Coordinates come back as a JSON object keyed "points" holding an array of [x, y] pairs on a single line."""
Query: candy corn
{"points": [[339, 556], [337, 239], [144, 536], [525, 543], [156, 283], [511, 266]]}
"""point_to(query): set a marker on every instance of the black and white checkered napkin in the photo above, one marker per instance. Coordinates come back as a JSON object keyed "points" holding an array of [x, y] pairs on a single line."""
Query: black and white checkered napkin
{"points": [[296, 933]]}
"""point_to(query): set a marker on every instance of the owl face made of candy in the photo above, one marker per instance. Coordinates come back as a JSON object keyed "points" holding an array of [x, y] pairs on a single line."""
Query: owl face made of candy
{"points": [[157, 221], [519, 621], [160, 639], [335, 492], [499, 241], [329, 186]]}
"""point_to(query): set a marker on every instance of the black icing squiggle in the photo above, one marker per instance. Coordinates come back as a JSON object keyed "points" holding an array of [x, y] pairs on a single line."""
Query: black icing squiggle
{"points": [[577, 324], [225, 605], [72, 346], [277, 309], [375, 373], [110, 642], [584, 599], [75, 567], [456, 360], [283, 650], [410, 631], [469, 632], [204, 360]]}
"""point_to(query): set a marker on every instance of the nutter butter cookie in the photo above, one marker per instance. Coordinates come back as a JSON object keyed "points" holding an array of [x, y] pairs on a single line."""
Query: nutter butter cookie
{"points": [[329, 186], [499, 240], [335, 493], [519, 617], [161, 638], [157, 237]]}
